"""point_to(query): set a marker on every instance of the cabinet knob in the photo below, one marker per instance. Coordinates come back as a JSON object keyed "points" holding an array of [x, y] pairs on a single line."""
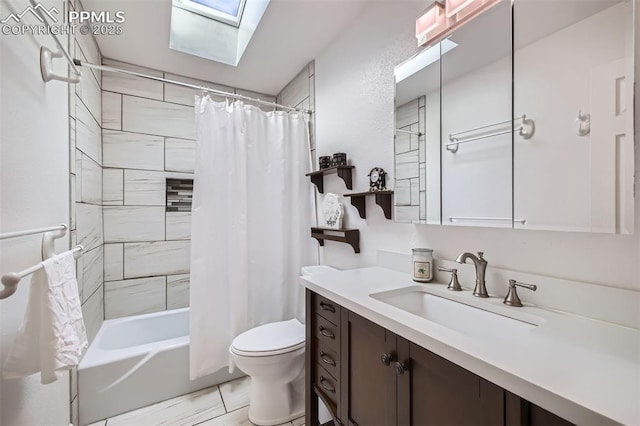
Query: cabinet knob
{"points": [[386, 359], [401, 368]]}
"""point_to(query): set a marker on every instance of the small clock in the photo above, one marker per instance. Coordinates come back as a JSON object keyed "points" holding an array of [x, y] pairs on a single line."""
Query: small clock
{"points": [[377, 179]]}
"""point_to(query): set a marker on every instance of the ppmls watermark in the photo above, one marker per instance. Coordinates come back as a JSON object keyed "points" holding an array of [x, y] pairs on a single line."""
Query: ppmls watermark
{"points": [[83, 22]]}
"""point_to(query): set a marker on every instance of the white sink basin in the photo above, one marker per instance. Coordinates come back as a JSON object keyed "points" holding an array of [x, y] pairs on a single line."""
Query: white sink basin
{"points": [[469, 320]]}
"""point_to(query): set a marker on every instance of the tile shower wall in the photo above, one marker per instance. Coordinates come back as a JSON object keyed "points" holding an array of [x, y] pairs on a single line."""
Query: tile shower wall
{"points": [[410, 160], [85, 167], [148, 136], [300, 93]]}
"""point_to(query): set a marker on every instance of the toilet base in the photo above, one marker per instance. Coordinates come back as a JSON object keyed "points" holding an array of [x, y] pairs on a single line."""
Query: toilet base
{"points": [[273, 405]]}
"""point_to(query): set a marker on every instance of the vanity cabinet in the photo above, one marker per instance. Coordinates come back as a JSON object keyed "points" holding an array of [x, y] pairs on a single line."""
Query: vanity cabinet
{"points": [[368, 376]]}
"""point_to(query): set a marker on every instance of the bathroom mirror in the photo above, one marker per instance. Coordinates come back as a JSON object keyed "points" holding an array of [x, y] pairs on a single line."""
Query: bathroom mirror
{"points": [[476, 122], [574, 75], [417, 137], [535, 122]]}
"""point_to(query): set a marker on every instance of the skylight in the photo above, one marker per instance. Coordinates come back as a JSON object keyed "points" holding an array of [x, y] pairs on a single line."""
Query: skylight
{"points": [[226, 11]]}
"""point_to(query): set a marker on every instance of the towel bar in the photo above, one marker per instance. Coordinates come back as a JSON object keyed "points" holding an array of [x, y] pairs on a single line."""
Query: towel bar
{"points": [[11, 280]]}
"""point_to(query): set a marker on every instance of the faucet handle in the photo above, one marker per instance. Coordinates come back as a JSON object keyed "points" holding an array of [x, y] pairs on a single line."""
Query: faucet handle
{"points": [[512, 298], [454, 284], [481, 254]]}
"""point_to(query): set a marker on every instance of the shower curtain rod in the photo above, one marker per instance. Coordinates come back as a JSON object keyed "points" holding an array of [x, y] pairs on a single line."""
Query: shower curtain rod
{"points": [[191, 86]]}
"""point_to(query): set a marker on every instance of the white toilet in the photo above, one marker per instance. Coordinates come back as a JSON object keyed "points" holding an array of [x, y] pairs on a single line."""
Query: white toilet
{"points": [[273, 356]]}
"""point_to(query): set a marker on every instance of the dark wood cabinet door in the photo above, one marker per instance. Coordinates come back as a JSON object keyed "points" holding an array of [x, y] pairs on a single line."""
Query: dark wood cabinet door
{"points": [[438, 392], [369, 386], [520, 412]]}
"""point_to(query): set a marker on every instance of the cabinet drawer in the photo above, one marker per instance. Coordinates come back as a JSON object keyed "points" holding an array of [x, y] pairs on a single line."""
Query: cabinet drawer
{"points": [[326, 309], [327, 358], [326, 384], [327, 333]]}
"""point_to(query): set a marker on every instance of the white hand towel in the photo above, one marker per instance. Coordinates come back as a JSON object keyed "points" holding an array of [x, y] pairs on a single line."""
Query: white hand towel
{"points": [[53, 336]]}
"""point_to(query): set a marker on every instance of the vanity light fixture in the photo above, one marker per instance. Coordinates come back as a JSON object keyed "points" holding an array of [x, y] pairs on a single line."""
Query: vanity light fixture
{"points": [[439, 20], [431, 23], [454, 6], [462, 10]]}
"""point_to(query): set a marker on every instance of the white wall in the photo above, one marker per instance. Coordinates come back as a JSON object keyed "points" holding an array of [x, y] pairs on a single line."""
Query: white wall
{"points": [[354, 101], [34, 192]]}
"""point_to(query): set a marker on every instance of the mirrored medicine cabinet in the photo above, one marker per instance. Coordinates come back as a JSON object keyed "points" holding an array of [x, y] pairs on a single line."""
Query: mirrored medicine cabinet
{"points": [[522, 117]]}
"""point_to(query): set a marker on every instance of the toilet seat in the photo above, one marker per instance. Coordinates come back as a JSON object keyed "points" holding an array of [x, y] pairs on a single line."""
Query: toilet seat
{"points": [[270, 339]]}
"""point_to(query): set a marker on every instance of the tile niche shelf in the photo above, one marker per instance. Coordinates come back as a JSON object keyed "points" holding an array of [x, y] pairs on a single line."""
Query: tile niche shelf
{"points": [[383, 199], [344, 172], [349, 236]]}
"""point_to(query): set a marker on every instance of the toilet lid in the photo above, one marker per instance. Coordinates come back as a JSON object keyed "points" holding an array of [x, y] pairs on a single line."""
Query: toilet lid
{"points": [[270, 338]]}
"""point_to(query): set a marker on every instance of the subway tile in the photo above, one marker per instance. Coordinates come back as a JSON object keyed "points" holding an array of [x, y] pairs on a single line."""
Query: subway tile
{"points": [[92, 271], [79, 276], [407, 165], [72, 210], [89, 225], [156, 258], [72, 145], [409, 214], [407, 114], [256, 95], [297, 90], [134, 297], [112, 187], [414, 137], [402, 195], [402, 142], [90, 181], [113, 262], [90, 93], [186, 96], [178, 291], [144, 188], [130, 85], [89, 47], [415, 192], [158, 118], [178, 225], [124, 223], [132, 150], [93, 314], [111, 111], [88, 133], [180, 155]]}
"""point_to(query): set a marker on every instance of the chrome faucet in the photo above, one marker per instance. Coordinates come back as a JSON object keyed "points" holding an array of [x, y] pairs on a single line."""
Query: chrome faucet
{"points": [[480, 289]]}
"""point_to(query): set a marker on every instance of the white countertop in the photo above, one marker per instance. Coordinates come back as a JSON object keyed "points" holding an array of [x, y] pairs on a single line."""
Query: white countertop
{"points": [[583, 370]]}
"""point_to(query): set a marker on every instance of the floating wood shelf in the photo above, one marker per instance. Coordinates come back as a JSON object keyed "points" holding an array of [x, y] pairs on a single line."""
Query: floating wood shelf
{"points": [[349, 236], [383, 199], [344, 172]]}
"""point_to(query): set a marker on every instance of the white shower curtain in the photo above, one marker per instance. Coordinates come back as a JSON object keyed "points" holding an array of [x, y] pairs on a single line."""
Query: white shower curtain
{"points": [[252, 210]]}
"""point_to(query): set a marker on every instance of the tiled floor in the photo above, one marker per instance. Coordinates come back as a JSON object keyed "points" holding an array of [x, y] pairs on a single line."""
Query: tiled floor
{"points": [[223, 405]]}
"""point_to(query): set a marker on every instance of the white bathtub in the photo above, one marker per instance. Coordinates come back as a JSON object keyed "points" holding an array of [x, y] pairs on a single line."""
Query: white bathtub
{"points": [[137, 361]]}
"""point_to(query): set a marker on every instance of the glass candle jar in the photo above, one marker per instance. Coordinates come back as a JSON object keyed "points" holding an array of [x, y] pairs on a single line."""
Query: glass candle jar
{"points": [[422, 264]]}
